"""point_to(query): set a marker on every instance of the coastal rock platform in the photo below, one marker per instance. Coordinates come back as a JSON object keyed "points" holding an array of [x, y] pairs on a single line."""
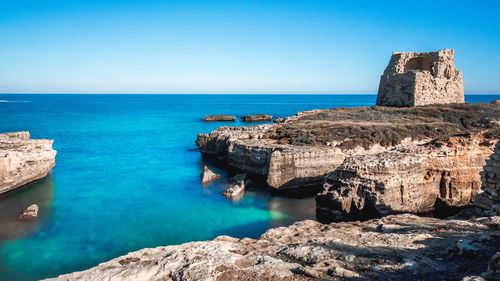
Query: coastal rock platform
{"points": [[23, 160], [392, 248]]}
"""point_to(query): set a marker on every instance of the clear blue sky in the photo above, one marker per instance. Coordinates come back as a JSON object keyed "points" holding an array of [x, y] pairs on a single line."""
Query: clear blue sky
{"points": [[241, 46]]}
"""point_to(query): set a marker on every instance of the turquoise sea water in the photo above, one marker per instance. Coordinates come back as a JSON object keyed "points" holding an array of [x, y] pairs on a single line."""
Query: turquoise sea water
{"points": [[127, 177]]}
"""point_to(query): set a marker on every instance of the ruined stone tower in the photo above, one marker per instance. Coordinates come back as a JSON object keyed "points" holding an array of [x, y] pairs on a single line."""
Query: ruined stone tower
{"points": [[413, 79]]}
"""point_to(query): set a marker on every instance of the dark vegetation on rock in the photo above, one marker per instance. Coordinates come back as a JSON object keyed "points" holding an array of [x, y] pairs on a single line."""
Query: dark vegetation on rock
{"points": [[387, 126]]}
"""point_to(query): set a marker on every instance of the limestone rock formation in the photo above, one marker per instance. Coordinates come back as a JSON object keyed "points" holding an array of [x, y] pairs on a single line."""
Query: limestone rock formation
{"points": [[496, 102], [300, 151], [257, 118], [23, 160], [29, 213], [208, 175], [414, 79], [408, 179], [402, 247], [237, 187], [489, 199], [211, 118]]}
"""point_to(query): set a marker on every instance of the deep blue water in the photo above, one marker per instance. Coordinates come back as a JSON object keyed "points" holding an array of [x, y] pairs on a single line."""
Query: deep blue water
{"points": [[127, 177]]}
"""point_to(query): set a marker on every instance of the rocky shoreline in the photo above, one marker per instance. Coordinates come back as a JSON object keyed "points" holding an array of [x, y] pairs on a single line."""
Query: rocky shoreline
{"points": [[392, 248], [23, 160]]}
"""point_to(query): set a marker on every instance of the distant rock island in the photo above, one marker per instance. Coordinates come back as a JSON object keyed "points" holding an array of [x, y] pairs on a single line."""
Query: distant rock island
{"points": [[23, 160]]}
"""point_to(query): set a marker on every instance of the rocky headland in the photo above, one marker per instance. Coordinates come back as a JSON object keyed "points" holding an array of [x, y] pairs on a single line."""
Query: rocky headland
{"points": [[367, 159], [23, 160]]}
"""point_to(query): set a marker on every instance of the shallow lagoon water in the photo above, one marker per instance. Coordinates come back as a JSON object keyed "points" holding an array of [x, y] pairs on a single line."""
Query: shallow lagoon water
{"points": [[127, 177]]}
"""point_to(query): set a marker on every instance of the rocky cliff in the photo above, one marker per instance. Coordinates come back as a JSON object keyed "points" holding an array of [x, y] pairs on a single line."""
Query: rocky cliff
{"points": [[414, 178], [489, 198], [23, 160], [393, 248]]}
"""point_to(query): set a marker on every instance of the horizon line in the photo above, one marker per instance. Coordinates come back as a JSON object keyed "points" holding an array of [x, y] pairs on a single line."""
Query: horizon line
{"points": [[222, 93]]}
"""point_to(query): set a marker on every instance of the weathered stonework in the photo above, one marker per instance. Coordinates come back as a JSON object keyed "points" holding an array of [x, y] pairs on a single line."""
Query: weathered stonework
{"points": [[414, 79], [489, 199]]}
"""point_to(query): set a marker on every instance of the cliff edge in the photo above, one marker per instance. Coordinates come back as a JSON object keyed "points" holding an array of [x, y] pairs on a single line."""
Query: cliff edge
{"points": [[23, 160]]}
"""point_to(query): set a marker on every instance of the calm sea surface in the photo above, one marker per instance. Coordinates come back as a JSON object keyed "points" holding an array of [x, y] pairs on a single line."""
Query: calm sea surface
{"points": [[127, 177]]}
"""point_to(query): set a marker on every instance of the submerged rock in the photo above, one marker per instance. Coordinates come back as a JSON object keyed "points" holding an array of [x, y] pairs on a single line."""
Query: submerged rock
{"points": [[208, 175], [413, 248], [23, 160], [237, 187], [29, 213], [257, 118], [210, 118]]}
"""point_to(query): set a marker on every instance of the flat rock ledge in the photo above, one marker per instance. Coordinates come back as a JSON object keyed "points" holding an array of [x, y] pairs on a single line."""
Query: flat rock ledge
{"points": [[213, 118], [23, 160], [400, 247]]}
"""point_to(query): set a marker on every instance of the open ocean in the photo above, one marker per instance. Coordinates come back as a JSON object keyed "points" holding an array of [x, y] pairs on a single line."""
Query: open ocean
{"points": [[127, 177]]}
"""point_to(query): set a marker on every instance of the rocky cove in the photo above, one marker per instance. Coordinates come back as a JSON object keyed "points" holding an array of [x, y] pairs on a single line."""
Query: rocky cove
{"points": [[363, 162], [376, 160]]}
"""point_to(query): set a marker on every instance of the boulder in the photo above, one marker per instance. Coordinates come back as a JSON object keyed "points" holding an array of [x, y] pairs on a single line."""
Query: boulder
{"points": [[211, 118], [236, 188], [496, 102], [29, 213], [208, 175], [23, 160], [257, 118]]}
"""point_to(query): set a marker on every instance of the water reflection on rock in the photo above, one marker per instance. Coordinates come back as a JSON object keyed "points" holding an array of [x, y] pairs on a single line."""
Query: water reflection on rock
{"points": [[12, 203]]}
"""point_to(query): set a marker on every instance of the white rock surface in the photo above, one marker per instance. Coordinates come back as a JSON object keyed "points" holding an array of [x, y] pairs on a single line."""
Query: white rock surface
{"points": [[23, 160]]}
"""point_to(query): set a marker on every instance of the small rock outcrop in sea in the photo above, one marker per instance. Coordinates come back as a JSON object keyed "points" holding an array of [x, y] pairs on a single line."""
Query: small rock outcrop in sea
{"points": [[414, 79], [401, 247], [257, 118], [23, 160], [237, 187], [29, 213], [211, 118], [208, 175], [496, 102], [489, 199]]}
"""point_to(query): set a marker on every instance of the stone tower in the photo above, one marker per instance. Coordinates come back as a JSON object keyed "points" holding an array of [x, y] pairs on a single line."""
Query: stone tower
{"points": [[413, 79]]}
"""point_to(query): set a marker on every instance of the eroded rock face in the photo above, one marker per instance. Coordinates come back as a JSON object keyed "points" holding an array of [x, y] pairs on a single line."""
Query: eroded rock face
{"points": [[408, 179], [23, 160], [414, 79], [489, 198], [402, 247], [301, 150]]}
